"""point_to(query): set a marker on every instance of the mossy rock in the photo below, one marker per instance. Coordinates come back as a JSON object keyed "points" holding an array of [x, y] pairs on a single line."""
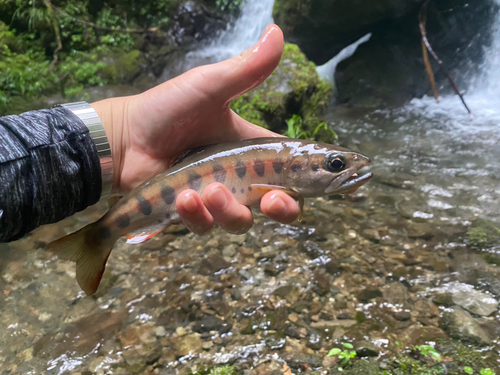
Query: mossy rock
{"points": [[293, 88], [483, 233], [125, 67]]}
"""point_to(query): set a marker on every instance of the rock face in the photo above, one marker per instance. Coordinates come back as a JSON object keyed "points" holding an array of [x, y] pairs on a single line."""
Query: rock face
{"points": [[388, 69]]}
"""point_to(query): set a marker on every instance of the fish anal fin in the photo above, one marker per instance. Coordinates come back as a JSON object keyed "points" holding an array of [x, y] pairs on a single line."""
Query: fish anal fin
{"points": [[264, 188], [141, 235]]}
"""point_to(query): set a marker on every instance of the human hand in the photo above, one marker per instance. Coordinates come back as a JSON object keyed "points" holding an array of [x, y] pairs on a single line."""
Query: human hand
{"points": [[147, 131]]}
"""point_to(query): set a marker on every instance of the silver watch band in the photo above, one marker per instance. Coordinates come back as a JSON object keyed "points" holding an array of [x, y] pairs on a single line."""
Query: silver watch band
{"points": [[90, 118]]}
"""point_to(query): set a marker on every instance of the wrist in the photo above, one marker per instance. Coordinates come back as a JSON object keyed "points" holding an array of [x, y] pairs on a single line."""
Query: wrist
{"points": [[110, 117], [91, 119]]}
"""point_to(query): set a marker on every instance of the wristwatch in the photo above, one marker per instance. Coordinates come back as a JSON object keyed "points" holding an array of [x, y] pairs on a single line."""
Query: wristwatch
{"points": [[90, 118]]}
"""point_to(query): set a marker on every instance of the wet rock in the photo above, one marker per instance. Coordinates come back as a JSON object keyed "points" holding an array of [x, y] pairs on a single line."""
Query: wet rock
{"points": [[269, 368], [292, 331], [208, 323], [322, 283], [418, 335], [189, 344], [82, 336], [487, 281], [443, 299], [172, 318], [402, 316], [460, 325], [421, 230], [289, 292], [314, 341], [362, 367], [395, 293], [212, 264], [475, 302], [369, 293], [366, 349], [371, 234], [300, 361]]}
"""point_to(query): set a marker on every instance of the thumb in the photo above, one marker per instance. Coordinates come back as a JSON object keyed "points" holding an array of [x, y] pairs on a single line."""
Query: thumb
{"points": [[231, 78]]}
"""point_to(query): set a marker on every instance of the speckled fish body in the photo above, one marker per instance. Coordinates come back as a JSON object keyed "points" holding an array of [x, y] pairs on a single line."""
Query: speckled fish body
{"points": [[249, 169]]}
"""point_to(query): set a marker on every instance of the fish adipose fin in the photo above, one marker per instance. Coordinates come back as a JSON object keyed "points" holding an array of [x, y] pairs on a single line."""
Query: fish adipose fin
{"points": [[141, 235], [90, 252], [264, 188]]}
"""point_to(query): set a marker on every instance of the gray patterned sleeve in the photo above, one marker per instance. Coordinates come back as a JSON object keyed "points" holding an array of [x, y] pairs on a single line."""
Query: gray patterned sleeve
{"points": [[49, 169]]}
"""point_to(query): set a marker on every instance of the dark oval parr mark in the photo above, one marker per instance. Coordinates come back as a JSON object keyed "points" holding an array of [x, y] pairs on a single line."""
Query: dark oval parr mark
{"points": [[168, 194], [241, 169], [277, 166], [144, 205], [233, 190], [219, 173], [123, 221], [194, 181], [259, 167]]}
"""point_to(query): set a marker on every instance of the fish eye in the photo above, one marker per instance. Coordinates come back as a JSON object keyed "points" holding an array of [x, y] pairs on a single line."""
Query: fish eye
{"points": [[335, 163]]}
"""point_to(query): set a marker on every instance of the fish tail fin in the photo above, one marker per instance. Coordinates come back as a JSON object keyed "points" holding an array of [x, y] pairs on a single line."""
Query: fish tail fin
{"points": [[89, 250]]}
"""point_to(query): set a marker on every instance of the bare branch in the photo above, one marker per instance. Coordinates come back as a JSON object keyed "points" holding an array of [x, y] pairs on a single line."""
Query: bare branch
{"points": [[422, 18]]}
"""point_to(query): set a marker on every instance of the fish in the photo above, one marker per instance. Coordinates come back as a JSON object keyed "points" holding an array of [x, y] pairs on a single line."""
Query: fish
{"points": [[248, 168]]}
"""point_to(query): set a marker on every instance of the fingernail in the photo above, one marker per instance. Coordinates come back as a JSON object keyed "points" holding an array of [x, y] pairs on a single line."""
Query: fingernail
{"points": [[217, 197], [247, 53], [276, 205], [189, 203]]}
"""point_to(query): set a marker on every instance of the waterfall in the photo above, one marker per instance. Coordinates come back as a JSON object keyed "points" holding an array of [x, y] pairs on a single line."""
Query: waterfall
{"points": [[239, 36], [482, 95]]}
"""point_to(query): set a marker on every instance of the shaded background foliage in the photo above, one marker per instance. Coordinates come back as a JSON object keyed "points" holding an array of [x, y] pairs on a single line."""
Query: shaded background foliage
{"points": [[32, 64]]}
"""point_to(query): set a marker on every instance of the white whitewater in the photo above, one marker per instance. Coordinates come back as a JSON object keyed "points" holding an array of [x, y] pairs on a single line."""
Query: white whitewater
{"points": [[241, 35], [482, 95]]}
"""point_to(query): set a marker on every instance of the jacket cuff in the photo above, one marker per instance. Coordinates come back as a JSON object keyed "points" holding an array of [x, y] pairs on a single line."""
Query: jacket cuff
{"points": [[89, 117]]}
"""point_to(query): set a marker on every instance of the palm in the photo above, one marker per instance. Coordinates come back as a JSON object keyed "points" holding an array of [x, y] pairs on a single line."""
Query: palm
{"points": [[149, 130]]}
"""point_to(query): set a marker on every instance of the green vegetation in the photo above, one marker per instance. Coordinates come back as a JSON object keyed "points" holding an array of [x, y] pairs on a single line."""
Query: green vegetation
{"points": [[295, 130], [429, 350], [223, 370], [345, 355]]}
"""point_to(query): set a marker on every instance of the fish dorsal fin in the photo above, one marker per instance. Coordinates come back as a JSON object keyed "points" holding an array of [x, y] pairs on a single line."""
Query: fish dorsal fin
{"points": [[180, 158]]}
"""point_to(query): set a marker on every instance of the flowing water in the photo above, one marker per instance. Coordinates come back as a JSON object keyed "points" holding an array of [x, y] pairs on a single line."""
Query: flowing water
{"points": [[366, 269]]}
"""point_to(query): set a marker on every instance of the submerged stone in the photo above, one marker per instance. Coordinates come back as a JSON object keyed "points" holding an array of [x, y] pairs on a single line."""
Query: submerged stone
{"points": [[460, 325]]}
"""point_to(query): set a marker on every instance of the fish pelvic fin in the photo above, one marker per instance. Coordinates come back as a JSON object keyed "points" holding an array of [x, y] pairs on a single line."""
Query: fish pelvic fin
{"points": [[89, 250]]}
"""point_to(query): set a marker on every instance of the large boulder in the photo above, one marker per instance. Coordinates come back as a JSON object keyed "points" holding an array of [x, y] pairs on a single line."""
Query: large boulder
{"points": [[389, 68], [294, 88]]}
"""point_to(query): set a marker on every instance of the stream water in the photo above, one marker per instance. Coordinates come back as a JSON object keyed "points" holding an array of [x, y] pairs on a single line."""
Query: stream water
{"points": [[374, 269]]}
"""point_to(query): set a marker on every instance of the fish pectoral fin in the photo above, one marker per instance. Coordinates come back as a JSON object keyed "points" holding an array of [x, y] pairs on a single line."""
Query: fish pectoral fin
{"points": [[141, 235], [267, 188]]}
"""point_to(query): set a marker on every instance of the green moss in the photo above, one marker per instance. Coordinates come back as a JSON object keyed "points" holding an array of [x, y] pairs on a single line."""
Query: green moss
{"points": [[483, 233], [477, 237], [287, 13], [294, 88]]}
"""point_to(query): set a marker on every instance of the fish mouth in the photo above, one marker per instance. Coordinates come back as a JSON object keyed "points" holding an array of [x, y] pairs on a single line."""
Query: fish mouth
{"points": [[353, 183]]}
